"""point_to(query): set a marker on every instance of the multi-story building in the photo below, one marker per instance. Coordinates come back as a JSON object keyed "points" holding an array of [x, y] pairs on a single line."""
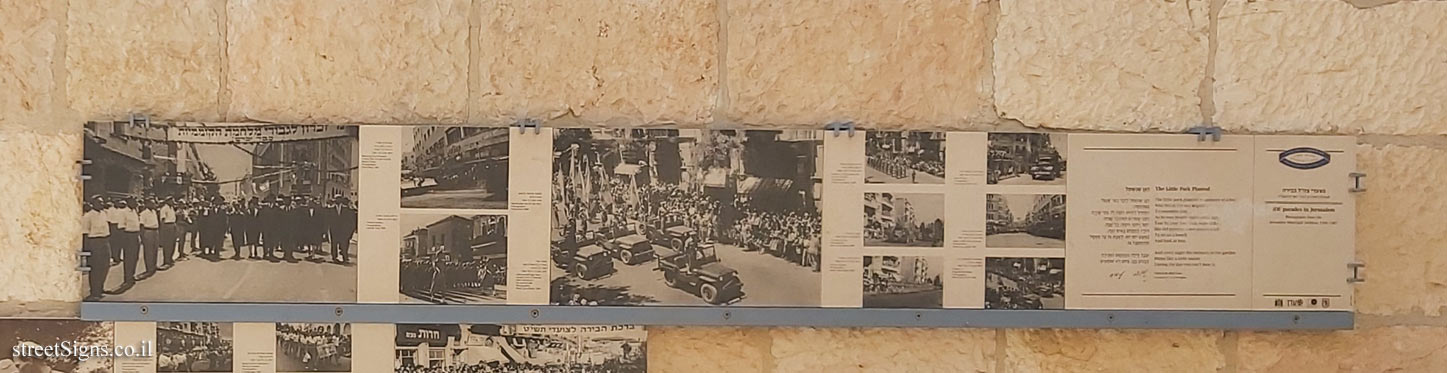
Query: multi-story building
{"points": [[127, 160], [183, 336], [460, 156], [1047, 217], [319, 168], [458, 238], [998, 218]]}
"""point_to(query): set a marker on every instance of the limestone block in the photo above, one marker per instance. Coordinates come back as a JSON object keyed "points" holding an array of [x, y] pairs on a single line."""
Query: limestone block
{"points": [[1101, 65], [39, 216], [1400, 231], [27, 46], [1053, 350], [698, 349], [883, 64], [883, 349], [621, 62], [1326, 66], [1391, 349], [161, 58], [368, 61]]}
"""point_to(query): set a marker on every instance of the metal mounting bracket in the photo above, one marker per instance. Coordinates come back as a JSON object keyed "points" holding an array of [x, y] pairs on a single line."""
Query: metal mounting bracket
{"points": [[1202, 131], [524, 124], [837, 127], [1357, 185], [1358, 272]]}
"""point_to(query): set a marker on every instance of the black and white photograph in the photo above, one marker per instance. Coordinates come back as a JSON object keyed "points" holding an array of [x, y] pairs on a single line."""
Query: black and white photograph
{"points": [[903, 282], [454, 259], [221, 212], [455, 167], [320, 347], [686, 217], [904, 219], [1026, 159], [1025, 283], [194, 347], [484, 348], [904, 157], [1025, 221], [21, 342]]}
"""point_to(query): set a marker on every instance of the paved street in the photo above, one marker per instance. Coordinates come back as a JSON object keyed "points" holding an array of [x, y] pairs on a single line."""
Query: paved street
{"points": [[1024, 179], [768, 281], [883, 243], [1022, 240], [933, 298], [1053, 302], [200, 280], [456, 199], [459, 296], [872, 175]]}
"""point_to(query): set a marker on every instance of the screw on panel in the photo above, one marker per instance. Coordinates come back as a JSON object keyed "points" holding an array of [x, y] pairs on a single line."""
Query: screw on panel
{"points": [[728, 315], [918, 316], [1110, 318], [338, 311], [535, 313], [1295, 319], [145, 310]]}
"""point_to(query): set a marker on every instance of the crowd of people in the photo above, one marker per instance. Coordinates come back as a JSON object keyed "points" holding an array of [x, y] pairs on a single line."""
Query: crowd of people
{"points": [[156, 232], [317, 346], [931, 232], [791, 234], [210, 359], [904, 164], [430, 277]]}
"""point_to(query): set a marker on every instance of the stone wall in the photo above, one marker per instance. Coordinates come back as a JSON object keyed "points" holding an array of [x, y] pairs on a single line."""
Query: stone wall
{"points": [[1372, 68]]}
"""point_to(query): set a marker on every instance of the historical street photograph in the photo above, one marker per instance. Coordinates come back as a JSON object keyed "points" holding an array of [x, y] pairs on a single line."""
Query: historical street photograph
{"points": [[1025, 221], [455, 167], [454, 259], [1025, 283], [22, 343], [320, 347], [1026, 159], [469, 348], [686, 217], [905, 157], [194, 346], [903, 282], [221, 212], [904, 219]]}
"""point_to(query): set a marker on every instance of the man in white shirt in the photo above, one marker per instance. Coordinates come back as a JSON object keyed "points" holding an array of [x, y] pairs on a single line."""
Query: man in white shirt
{"points": [[129, 224], [150, 221], [168, 233], [97, 242], [113, 219]]}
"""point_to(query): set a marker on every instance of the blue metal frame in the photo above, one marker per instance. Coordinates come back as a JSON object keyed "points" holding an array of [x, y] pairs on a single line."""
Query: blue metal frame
{"points": [[717, 316]]}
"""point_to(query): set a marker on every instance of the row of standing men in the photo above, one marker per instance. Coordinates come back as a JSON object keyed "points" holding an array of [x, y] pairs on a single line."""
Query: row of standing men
{"points": [[128, 231]]}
